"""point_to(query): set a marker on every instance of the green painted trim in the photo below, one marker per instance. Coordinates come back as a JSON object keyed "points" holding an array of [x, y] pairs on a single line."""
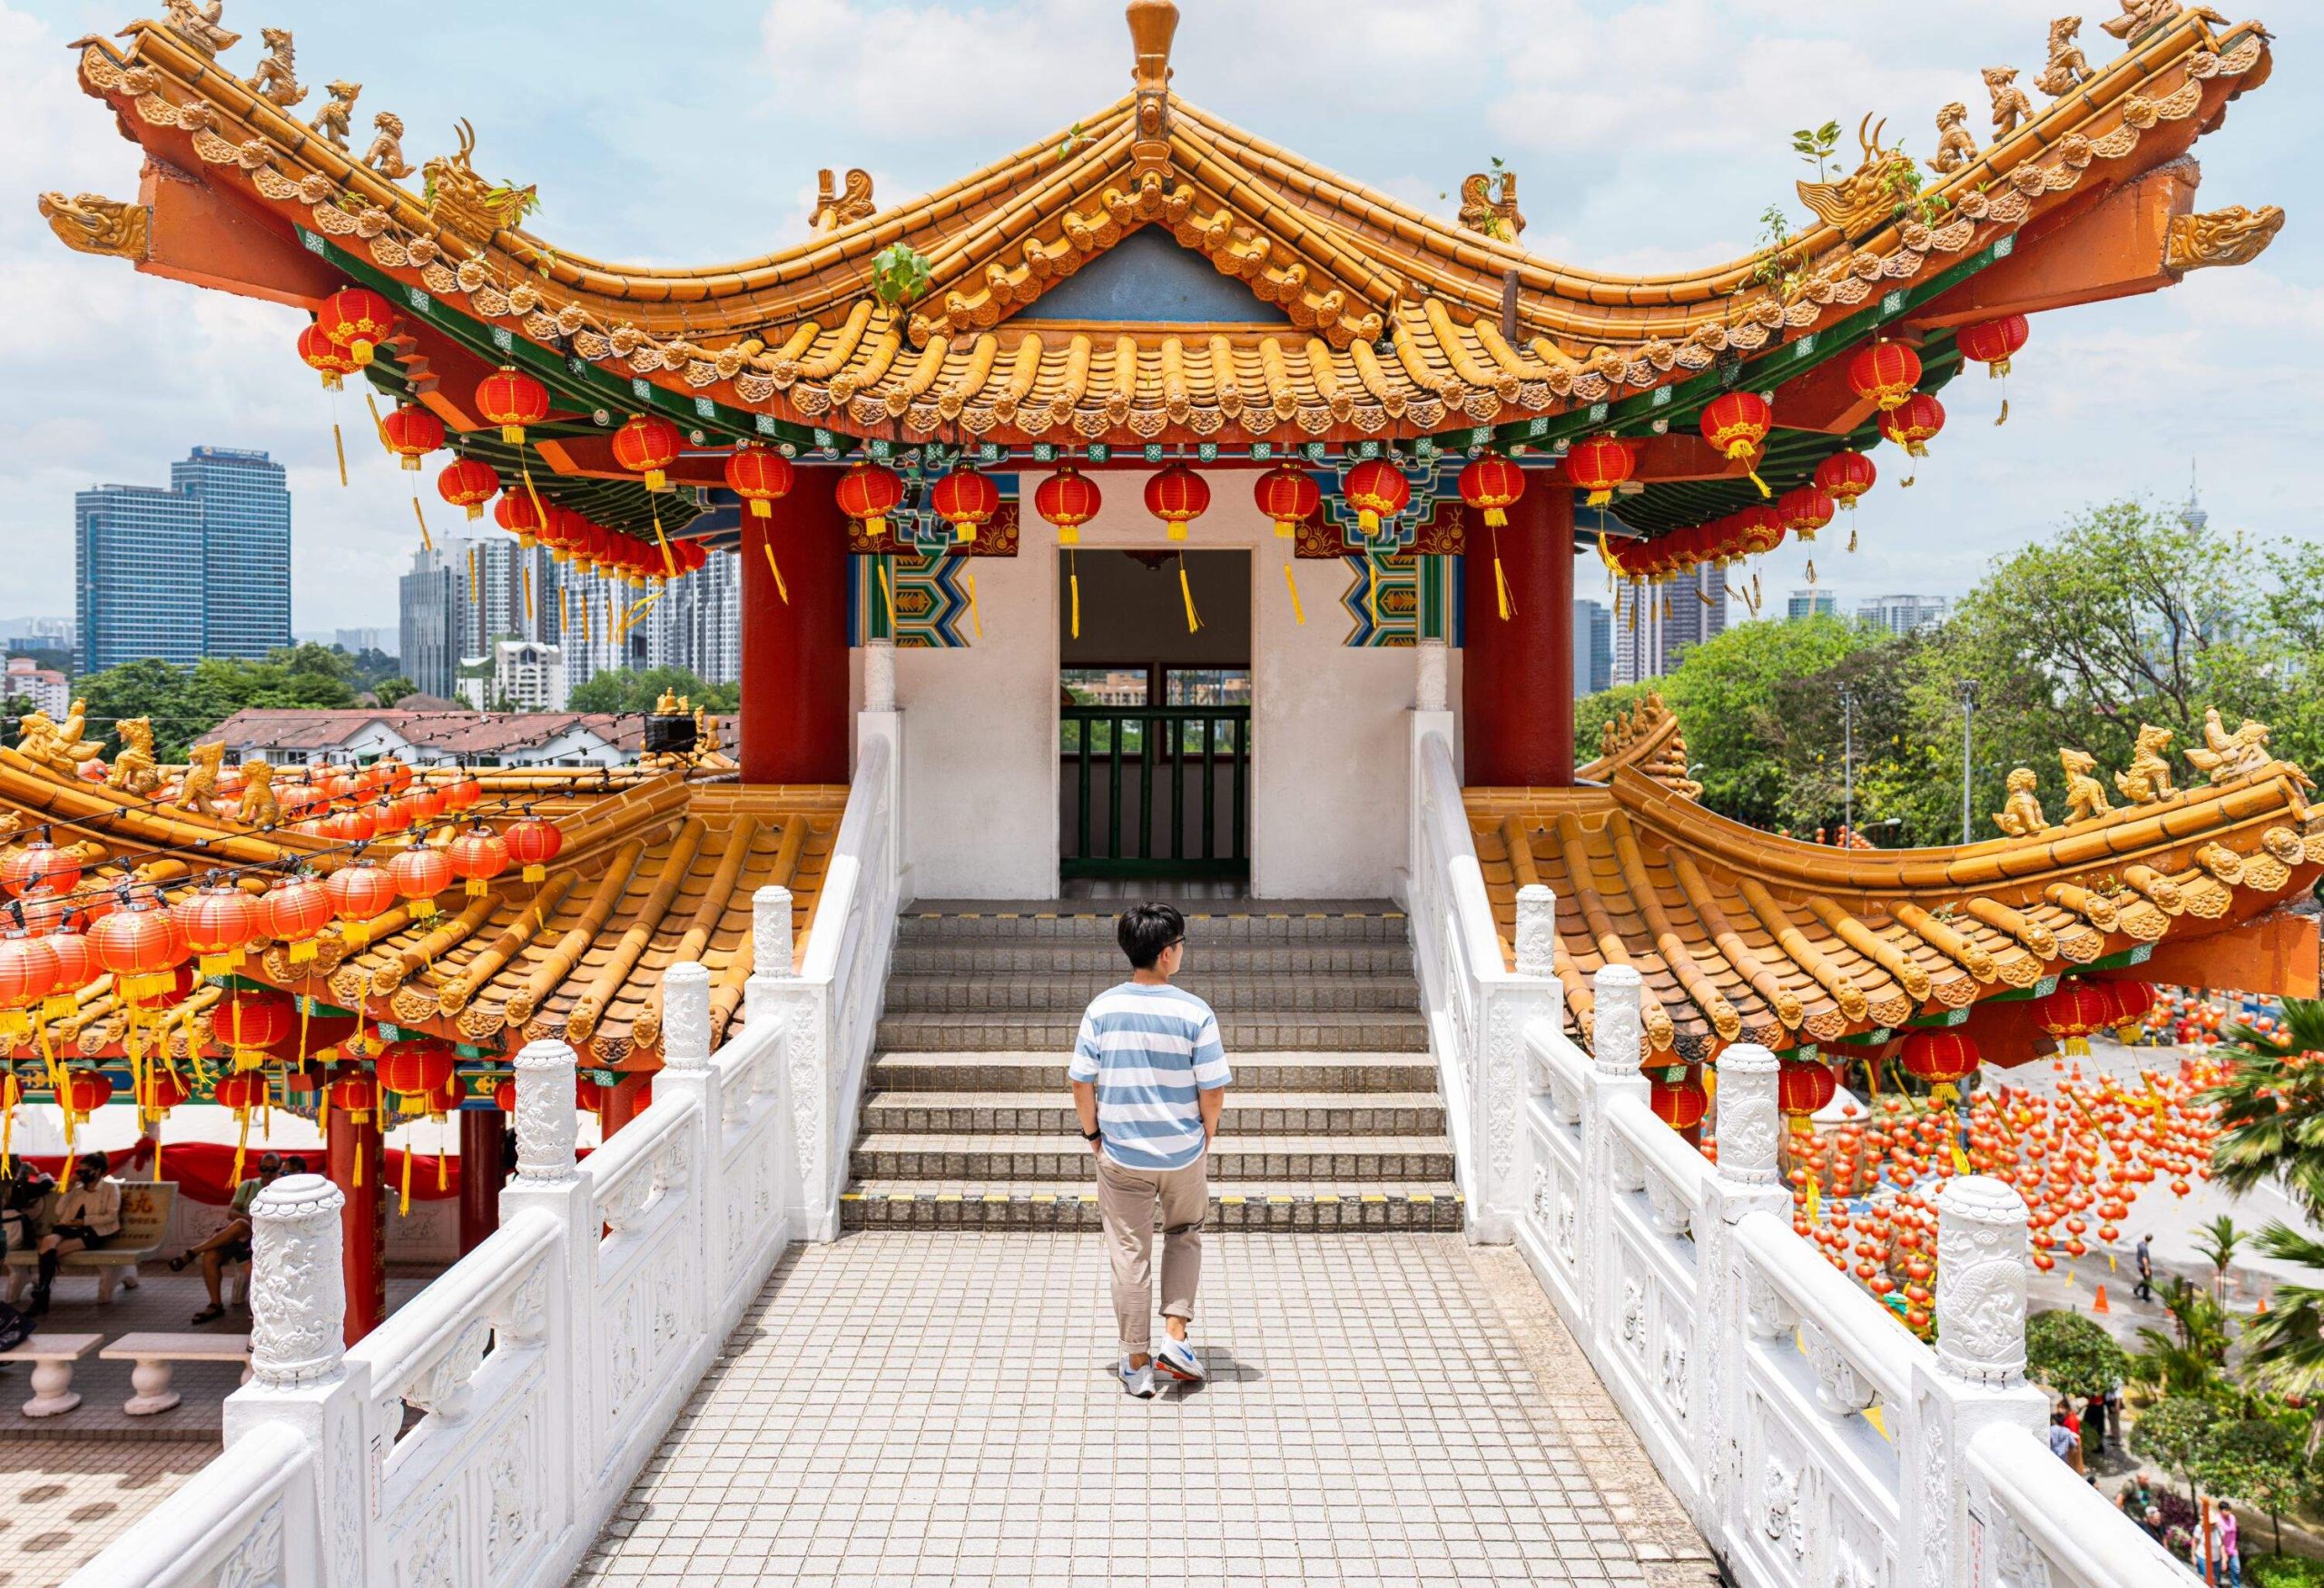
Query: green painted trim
{"points": [[1942, 1017]]}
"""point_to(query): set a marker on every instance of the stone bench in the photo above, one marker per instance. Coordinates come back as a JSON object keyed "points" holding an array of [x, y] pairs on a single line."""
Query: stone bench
{"points": [[153, 1357], [144, 1223], [52, 1356]]}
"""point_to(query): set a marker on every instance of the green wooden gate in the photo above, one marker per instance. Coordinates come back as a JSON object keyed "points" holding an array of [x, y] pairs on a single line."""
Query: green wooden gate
{"points": [[1156, 790]]}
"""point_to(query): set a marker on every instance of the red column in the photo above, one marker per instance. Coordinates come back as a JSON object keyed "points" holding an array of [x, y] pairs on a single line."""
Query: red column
{"points": [[363, 1222], [794, 652], [481, 1175], [623, 1101], [1517, 676]]}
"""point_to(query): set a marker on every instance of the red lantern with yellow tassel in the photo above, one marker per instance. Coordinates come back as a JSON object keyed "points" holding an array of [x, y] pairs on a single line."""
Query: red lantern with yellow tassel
{"points": [[1598, 465], [419, 873], [218, 922], [868, 493], [325, 357], [358, 320], [1178, 496], [1801, 1090], [469, 483], [517, 514], [139, 945], [647, 445], [1289, 496], [477, 854], [1758, 530], [1885, 372], [294, 912], [1376, 488], [1068, 500], [84, 1092], [1941, 1057], [1914, 423], [360, 895], [411, 433], [1845, 477], [1677, 1096], [966, 500], [760, 476], [1805, 510], [533, 844], [1736, 423], [1993, 343], [2074, 1010], [512, 399], [1491, 484], [251, 1022]]}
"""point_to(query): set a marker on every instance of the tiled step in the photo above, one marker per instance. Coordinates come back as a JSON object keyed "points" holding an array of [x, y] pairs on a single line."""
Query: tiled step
{"points": [[1044, 1071], [1055, 1032], [1289, 924], [885, 1155], [1067, 1206], [1248, 1113], [1048, 956], [1232, 995]]}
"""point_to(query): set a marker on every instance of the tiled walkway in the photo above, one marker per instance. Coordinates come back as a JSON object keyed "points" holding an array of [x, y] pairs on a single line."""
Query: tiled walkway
{"points": [[940, 1408]]}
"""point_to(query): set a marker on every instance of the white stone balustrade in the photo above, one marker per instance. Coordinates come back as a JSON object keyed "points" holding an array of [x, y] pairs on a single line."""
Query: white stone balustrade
{"points": [[547, 1364], [1811, 1437]]}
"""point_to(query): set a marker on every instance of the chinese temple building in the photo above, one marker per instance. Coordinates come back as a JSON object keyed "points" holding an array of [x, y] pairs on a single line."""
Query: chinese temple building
{"points": [[1156, 402]]}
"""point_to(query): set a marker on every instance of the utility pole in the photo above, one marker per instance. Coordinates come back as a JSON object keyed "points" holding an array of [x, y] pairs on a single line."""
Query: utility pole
{"points": [[1968, 687], [1848, 764]]}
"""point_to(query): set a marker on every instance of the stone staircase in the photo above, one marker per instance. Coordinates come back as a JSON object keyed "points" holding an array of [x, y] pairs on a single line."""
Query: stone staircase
{"points": [[1333, 1122]]}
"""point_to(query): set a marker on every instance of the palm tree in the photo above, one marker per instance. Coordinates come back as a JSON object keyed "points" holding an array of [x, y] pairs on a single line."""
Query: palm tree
{"points": [[2271, 1105], [2217, 1241], [2283, 1347], [2191, 1358]]}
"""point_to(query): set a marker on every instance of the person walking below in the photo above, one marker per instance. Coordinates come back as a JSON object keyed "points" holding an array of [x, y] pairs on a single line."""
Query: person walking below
{"points": [[2226, 1547], [1149, 1080], [2144, 1288]]}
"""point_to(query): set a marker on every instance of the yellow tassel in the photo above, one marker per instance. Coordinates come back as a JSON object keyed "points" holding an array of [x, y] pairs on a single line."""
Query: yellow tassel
{"points": [[1073, 579], [540, 511], [564, 614], [1298, 613], [1501, 590], [472, 579], [525, 588], [1187, 591], [1851, 537], [669, 563], [403, 1198], [426, 539], [976, 614], [359, 1155], [379, 429], [339, 444], [1761, 483], [888, 596], [442, 1182], [1372, 587], [781, 588], [2002, 418]]}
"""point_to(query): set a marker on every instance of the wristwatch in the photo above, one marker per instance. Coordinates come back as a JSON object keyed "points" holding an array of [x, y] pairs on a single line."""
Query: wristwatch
{"points": [[1091, 1135]]}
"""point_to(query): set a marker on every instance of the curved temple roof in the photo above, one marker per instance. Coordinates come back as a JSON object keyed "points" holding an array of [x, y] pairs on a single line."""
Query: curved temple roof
{"points": [[1401, 324]]}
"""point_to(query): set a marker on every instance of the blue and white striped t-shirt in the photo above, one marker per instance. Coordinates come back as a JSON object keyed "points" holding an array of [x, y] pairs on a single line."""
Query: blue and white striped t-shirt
{"points": [[1148, 1050]]}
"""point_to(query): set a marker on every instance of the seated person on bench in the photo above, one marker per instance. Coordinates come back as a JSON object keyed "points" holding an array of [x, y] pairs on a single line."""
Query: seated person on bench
{"points": [[21, 1195], [231, 1244], [88, 1217]]}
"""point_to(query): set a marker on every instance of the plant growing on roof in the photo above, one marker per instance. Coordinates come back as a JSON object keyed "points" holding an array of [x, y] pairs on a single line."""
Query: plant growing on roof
{"points": [[1815, 145], [899, 275], [1781, 266]]}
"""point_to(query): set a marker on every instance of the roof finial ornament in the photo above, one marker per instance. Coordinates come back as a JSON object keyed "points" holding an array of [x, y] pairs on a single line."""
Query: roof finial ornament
{"points": [[1152, 23]]}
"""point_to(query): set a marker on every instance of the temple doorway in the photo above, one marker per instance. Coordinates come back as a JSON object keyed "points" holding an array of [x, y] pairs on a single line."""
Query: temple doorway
{"points": [[1155, 715]]}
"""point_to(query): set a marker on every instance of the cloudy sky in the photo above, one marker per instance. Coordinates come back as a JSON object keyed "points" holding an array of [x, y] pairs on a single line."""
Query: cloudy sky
{"points": [[1647, 136]]}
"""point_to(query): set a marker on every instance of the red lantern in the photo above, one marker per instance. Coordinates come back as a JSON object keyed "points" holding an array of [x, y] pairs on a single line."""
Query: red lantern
{"points": [[966, 500], [40, 864], [463, 792], [1491, 484], [1289, 496], [1846, 476], [2074, 1010], [1993, 341], [476, 854], [322, 354], [1677, 1096], [469, 482], [76, 961], [358, 320], [1940, 1057], [217, 922], [647, 445], [360, 895], [1805, 510], [240, 1092], [1886, 373], [512, 399], [2132, 1000], [159, 1092], [533, 844], [1068, 500], [28, 971], [1912, 424], [356, 1096], [1758, 530], [517, 514], [251, 1022], [1376, 488], [868, 493], [1736, 423], [419, 873], [139, 946], [1801, 1090], [294, 912], [84, 1092], [416, 1067], [759, 477], [1598, 464], [411, 433], [1178, 496]]}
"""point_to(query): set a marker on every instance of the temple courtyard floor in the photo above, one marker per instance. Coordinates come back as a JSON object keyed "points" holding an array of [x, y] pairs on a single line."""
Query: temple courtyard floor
{"points": [[941, 1408]]}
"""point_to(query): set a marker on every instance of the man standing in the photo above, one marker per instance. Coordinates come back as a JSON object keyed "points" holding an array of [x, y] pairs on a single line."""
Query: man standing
{"points": [[2144, 1288], [1149, 1080]]}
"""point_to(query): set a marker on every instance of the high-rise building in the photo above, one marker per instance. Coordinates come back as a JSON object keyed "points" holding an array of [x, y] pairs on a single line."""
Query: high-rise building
{"points": [[698, 626], [1653, 624], [458, 601], [516, 675], [1903, 614], [429, 625], [1811, 604], [201, 570], [1593, 648], [355, 641]]}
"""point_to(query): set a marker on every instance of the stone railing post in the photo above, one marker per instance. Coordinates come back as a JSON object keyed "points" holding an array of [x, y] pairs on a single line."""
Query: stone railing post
{"points": [[1537, 930], [1429, 677], [686, 1072], [300, 1377], [770, 951], [1978, 1379], [1616, 1051], [1747, 1179], [547, 1182], [879, 675], [1507, 1005]]}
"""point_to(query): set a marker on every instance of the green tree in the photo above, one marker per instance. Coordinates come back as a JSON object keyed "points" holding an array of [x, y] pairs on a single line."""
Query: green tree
{"points": [[185, 703], [2073, 1355], [2193, 1357], [2173, 1432], [637, 689], [2283, 1347], [392, 688], [2259, 1461], [2271, 1105], [2219, 1241]]}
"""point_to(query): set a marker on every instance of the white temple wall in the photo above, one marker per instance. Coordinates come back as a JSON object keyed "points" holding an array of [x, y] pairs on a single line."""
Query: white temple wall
{"points": [[981, 767]]}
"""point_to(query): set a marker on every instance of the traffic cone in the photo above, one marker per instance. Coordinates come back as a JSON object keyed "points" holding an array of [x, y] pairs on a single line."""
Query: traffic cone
{"points": [[2263, 1305], [2097, 1303]]}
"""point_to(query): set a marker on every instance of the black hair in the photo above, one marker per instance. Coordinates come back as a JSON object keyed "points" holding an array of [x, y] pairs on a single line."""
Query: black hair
{"points": [[1146, 930], [295, 1164], [96, 1160]]}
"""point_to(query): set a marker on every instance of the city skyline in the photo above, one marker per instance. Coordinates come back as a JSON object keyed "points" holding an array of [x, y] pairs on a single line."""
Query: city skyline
{"points": [[201, 568]]}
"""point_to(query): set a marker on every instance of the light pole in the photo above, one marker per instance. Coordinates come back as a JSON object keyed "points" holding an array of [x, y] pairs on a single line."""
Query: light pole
{"points": [[1847, 763], [1968, 687]]}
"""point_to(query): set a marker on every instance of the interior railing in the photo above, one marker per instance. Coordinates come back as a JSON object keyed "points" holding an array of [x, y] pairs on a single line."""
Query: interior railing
{"points": [[1157, 790]]}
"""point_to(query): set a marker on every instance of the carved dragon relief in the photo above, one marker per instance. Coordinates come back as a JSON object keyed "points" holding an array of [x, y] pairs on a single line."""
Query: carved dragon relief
{"points": [[838, 207], [2233, 236], [1867, 194], [469, 203], [1482, 212], [92, 224], [196, 22]]}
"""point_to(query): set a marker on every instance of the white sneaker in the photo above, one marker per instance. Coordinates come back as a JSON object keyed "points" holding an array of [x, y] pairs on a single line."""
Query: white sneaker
{"points": [[1138, 1381], [1176, 1358]]}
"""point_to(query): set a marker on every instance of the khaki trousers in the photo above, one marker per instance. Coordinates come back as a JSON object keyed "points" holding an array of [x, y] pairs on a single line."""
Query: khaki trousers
{"points": [[1126, 1198]]}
